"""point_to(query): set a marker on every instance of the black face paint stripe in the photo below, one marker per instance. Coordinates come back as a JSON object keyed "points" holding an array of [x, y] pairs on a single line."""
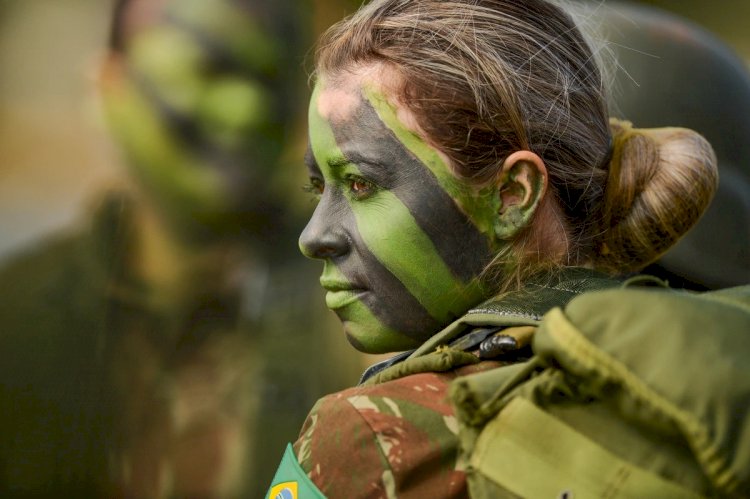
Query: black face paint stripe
{"points": [[404, 313], [463, 248]]}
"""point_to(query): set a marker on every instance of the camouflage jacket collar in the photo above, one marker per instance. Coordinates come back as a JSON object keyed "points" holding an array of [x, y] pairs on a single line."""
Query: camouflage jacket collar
{"points": [[524, 307]]}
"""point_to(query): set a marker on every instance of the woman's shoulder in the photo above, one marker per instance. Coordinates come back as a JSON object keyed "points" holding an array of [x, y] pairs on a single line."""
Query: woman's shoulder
{"points": [[366, 439], [389, 407]]}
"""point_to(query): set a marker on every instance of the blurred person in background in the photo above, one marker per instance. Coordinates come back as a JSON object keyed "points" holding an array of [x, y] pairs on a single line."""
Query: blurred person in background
{"points": [[172, 345]]}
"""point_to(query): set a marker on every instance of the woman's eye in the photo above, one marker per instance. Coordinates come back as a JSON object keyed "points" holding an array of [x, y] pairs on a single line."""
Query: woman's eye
{"points": [[314, 187], [360, 187]]}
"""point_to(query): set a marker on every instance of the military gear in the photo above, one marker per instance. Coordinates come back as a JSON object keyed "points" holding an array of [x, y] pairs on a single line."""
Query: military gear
{"points": [[103, 390], [631, 393], [609, 404], [395, 435]]}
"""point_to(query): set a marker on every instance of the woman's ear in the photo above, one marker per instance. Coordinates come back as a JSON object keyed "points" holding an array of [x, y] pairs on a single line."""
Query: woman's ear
{"points": [[521, 185]]}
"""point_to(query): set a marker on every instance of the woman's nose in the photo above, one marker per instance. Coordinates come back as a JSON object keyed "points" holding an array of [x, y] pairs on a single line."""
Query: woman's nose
{"points": [[323, 236]]}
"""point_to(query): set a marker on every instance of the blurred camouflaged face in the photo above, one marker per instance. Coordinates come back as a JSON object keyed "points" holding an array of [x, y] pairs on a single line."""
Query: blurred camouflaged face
{"points": [[195, 110], [401, 238]]}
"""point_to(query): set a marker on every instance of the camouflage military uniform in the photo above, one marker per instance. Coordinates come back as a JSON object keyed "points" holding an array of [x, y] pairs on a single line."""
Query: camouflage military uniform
{"points": [[396, 434], [392, 439], [610, 404]]}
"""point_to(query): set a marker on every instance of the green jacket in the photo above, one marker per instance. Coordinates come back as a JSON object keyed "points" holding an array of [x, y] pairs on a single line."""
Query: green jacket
{"points": [[539, 427]]}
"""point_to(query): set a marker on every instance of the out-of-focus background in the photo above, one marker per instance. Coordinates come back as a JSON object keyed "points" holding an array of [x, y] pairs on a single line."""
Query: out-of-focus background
{"points": [[54, 146], [138, 385], [56, 153]]}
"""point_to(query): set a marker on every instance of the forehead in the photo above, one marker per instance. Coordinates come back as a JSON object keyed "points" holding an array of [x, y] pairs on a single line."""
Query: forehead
{"points": [[335, 104], [338, 97], [340, 101], [346, 125], [367, 94]]}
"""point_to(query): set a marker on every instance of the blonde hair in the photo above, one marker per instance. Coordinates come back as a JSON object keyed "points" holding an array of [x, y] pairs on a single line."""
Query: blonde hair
{"points": [[660, 183], [486, 78]]}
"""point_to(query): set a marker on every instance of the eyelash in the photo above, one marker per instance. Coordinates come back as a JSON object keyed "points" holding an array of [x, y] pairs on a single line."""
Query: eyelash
{"points": [[366, 188], [314, 187]]}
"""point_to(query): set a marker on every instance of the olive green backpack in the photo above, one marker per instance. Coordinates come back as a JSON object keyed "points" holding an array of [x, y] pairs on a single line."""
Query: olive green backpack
{"points": [[631, 392]]}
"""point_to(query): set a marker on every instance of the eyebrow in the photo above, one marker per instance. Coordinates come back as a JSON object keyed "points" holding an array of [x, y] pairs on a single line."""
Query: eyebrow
{"points": [[338, 161], [365, 163], [333, 163]]}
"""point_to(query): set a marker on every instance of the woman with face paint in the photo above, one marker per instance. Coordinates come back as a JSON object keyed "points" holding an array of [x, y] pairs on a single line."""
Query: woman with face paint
{"points": [[470, 185]]}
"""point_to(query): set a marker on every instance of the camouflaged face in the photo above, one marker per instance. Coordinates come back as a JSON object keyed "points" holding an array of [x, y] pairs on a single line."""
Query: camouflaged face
{"points": [[403, 240]]}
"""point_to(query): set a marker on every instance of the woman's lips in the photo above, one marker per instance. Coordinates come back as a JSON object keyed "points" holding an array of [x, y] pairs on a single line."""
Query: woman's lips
{"points": [[342, 298], [340, 294]]}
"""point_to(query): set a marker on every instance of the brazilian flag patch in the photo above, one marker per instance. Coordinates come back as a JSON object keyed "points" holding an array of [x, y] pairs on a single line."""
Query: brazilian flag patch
{"points": [[286, 490], [291, 482]]}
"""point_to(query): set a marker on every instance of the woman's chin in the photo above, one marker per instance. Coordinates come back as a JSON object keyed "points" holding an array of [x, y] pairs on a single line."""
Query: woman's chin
{"points": [[376, 340]]}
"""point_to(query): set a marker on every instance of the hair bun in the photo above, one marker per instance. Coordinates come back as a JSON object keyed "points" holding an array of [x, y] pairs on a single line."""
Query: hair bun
{"points": [[660, 182]]}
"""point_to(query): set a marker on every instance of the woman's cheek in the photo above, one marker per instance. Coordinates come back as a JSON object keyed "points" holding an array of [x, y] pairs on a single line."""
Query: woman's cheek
{"points": [[393, 236]]}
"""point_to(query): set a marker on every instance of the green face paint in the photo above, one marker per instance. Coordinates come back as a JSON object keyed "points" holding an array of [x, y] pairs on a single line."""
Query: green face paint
{"points": [[480, 204], [396, 243], [239, 33], [364, 329]]}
